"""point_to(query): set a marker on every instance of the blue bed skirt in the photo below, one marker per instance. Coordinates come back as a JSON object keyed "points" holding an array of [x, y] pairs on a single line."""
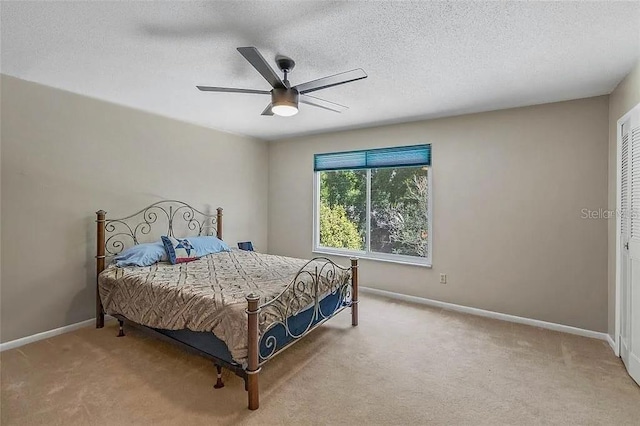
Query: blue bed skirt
{"points": [[210, 344]]}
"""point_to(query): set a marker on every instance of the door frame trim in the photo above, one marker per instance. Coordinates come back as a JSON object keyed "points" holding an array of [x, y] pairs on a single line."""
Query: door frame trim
{"points": [[618, 311]]}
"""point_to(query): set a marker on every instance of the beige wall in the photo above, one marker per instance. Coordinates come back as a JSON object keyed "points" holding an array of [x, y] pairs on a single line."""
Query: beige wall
{"points": [[508, 190], [64, 156], [621, 100]]}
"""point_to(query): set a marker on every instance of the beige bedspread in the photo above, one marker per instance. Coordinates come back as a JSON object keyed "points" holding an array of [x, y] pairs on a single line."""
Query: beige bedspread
{"points": [[207, 294]]}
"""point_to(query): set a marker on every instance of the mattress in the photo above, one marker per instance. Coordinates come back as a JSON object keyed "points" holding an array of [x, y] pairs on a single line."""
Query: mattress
{"points": [[208, 295]]}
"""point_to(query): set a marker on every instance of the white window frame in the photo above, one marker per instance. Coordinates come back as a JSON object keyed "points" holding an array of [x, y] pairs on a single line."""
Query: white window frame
{"points": [[367, 253]]}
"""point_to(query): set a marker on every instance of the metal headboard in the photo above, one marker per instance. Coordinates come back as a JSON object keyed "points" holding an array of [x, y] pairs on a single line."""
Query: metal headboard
{"points": [[163, 217]]}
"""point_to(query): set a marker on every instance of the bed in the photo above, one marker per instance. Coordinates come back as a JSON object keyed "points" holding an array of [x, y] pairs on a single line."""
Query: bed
{"points": [[238, 308]]}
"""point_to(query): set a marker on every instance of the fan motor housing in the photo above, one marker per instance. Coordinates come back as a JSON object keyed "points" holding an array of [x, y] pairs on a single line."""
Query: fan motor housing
{"points": [[284, 96]]}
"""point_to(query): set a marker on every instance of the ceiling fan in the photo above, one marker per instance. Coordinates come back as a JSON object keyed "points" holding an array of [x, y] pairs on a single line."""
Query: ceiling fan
{"points": [[284, 98]]}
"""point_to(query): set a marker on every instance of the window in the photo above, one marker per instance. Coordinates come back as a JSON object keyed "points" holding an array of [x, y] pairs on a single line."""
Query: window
{"points": [[374, 204]]}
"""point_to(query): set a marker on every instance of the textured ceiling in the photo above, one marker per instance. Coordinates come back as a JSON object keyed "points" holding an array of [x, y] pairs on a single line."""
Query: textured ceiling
{"points": [[424, 59]]}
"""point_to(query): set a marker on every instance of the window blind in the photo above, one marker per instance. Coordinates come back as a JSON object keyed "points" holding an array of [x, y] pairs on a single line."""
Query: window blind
{"points": [[415, 155]]}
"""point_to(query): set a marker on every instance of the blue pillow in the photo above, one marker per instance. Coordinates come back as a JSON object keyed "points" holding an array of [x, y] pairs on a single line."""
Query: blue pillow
{"points": [[208, 245], [142, 255]]}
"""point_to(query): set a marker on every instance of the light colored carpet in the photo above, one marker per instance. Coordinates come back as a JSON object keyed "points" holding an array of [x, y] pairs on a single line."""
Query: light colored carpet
{"points": [[404, 364]]}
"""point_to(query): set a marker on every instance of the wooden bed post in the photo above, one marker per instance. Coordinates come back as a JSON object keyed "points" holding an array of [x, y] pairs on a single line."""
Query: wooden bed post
{"points": [[100, 256], [354, 291], [253, 368], [219, 223]]}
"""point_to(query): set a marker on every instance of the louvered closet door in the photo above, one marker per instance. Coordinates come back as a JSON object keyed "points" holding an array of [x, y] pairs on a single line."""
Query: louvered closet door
{"points": [[630, 261]]}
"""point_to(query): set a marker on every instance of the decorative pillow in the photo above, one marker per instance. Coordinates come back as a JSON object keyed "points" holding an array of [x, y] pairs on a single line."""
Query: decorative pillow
{"points": [[141, 255], [179, 251], [208, 245]]}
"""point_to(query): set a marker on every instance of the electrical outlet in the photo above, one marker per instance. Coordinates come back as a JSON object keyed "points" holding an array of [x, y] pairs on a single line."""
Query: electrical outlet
{"points": [[443, 278]]}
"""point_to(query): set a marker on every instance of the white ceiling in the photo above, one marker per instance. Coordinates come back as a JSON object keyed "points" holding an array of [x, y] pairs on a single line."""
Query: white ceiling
{"points": [[424, 59]]}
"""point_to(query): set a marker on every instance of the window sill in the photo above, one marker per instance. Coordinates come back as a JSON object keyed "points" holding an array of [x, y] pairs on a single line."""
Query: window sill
{"points": [[371, 256]]}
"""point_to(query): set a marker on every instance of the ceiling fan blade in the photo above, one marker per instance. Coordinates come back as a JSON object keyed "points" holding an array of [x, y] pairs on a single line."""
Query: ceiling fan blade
{"points": [[232, 90], [254, 57], [334, 80], [321, 103], [267, 110]]}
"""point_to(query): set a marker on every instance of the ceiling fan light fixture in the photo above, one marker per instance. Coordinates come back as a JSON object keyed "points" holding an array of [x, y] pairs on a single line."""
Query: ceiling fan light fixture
{"points": [[284, 102], [284, 110], [284, 97]]}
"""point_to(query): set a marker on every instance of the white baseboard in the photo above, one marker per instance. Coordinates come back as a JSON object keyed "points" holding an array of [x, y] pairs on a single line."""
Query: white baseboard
{"points": [[47, 334], [489, 314], [613, 345]]}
